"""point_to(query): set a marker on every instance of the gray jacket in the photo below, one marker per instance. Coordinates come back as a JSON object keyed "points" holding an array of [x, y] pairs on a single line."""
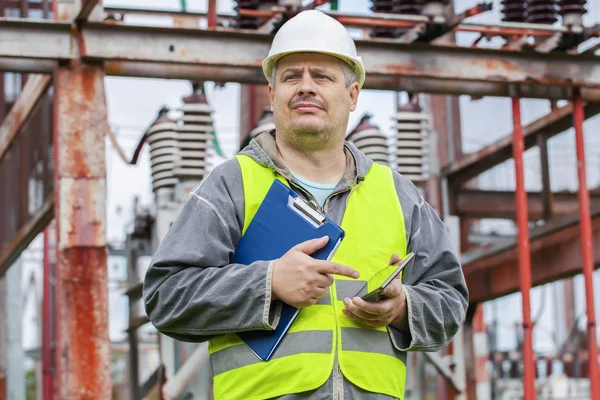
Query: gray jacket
{"points": [[192, 292]]}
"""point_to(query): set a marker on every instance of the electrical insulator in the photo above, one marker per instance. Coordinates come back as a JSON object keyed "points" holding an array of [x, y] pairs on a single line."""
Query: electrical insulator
{"points": [[513, 10], [410, 147], [243, 21], [434, 8], [407, 7], [571, 7], [542, 11], [249, 22], [194, 135], [369, 139], [162, 138], [572, 12], [383, 7], [266, 123]]}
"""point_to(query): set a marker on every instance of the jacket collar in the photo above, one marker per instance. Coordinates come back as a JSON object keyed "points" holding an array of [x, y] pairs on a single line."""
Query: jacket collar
{"points": [[263, 149]]}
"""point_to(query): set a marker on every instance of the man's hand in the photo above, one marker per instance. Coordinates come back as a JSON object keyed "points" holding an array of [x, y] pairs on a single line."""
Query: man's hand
{"points": [[299, 280], [392, 310]]}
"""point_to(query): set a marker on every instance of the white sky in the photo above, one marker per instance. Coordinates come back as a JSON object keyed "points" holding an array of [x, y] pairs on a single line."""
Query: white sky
{"points": [[133, 104]]}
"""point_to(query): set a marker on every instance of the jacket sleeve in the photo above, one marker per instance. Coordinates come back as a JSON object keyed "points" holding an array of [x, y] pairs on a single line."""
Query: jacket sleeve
{"points": [[434, 284], [191, 290]]}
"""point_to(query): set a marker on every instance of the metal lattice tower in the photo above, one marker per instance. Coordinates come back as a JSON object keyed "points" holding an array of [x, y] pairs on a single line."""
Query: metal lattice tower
{"points": [[193, 135], [410, 143], [162, 137], [369, 139]]}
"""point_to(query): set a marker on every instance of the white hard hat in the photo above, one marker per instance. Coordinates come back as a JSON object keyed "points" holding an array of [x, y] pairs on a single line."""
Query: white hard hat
{"points": [[314, 32]]}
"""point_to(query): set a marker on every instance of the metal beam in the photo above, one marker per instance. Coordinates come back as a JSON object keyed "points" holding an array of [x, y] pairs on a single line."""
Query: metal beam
{"points": [[35, 39], [555, 254], [80, 123], [87, 7], [32, 92], [473, 164], [235, 56], [389, 65], [501, 204], [26, 234]]}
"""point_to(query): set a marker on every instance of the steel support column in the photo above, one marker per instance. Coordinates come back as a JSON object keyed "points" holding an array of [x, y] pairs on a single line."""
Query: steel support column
{"points": [[80, 190], [48, 316], [587, 251], [524, 256], [3, 326]]}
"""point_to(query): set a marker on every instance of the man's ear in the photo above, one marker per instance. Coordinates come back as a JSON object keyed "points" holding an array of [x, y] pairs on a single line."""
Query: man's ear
{"points": [[271, 94], [353, 91]]}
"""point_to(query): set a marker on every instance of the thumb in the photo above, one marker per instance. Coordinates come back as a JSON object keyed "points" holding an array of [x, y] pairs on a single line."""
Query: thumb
{"points": [[310, 246], [391, 291], [394, 259]]}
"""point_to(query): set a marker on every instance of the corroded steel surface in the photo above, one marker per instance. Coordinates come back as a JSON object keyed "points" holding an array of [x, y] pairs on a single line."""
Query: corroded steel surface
{"points": [[84, 346]]}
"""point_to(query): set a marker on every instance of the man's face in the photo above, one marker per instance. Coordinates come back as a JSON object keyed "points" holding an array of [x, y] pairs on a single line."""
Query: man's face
{"points": [[311, 103]]}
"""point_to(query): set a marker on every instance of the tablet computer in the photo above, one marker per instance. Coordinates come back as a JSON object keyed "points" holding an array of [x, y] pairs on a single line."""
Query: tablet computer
{"points": [[387, 275]]}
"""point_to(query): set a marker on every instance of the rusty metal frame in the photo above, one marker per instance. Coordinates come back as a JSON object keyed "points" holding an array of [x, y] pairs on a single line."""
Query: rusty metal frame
{"points": [[126, 50], [555, 254], [473, 203], [26, 234], [471, 165], [87, 7], [32, 92], [159, 52]]}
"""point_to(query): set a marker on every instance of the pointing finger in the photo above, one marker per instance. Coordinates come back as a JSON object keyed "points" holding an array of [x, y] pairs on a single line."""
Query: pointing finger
{"points": [[327, 267]]}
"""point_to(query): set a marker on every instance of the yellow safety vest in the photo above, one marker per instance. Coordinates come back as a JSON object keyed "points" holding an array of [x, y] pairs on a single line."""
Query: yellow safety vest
{"points": [[374, 227]]}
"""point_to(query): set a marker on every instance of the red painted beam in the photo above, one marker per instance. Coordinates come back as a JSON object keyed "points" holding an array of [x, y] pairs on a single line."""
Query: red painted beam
{"points": [[555, 254], [475, 204], [473, 164]]}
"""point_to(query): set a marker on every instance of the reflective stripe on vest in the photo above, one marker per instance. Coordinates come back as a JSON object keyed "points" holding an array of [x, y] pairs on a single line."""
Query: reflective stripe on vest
{"points": [[374, 226]]}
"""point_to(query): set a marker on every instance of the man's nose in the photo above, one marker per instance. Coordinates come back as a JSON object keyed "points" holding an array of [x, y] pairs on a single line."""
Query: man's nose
{"points": [[306, 86]]}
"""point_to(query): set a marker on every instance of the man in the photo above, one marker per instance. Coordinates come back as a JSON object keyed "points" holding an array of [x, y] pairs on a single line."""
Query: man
{"points": [[340, 347]]}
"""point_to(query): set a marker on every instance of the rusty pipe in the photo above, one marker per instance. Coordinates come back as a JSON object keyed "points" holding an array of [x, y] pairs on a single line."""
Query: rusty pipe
{"points": [[524, 254], [587, 252]]}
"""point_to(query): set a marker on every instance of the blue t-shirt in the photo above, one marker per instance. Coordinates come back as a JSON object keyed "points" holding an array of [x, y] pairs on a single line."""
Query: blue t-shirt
{"points": [[319, 190]]}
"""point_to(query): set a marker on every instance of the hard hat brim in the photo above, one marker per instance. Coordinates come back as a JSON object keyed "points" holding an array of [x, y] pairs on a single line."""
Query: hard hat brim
{"points": [[269, 62]]}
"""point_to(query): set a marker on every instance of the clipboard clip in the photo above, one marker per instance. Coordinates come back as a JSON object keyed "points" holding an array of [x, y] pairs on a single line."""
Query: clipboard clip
{"points": [[308, 210]]}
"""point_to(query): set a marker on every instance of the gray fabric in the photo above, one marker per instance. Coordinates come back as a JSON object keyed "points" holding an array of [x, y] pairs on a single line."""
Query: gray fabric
{"points": [[349, 289], [358, 339], [294, 343], [193, 292]]}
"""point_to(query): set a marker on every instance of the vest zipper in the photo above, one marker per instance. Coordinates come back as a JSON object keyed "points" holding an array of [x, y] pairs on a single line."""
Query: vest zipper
{"points": [[338, 380]]}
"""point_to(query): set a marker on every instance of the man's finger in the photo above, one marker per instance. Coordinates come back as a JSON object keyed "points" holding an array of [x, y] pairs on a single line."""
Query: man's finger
{"points": [[319, 292], [368, 307], [324, 280], [310, 246], [390, 291], [354, 309], [394, 259], [326, 267], [356, 318]]}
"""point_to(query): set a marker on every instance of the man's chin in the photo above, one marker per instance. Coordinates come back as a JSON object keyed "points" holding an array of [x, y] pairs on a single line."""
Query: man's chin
{"points": [[309, 129]]}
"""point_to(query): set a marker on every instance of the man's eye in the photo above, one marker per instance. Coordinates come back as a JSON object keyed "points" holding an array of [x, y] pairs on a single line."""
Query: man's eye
{"points": [[289, 77], [323, 77]]}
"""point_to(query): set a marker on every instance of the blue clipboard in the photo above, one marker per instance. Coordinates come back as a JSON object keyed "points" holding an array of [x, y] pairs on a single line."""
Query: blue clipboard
{"points": [[282, 221]]}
